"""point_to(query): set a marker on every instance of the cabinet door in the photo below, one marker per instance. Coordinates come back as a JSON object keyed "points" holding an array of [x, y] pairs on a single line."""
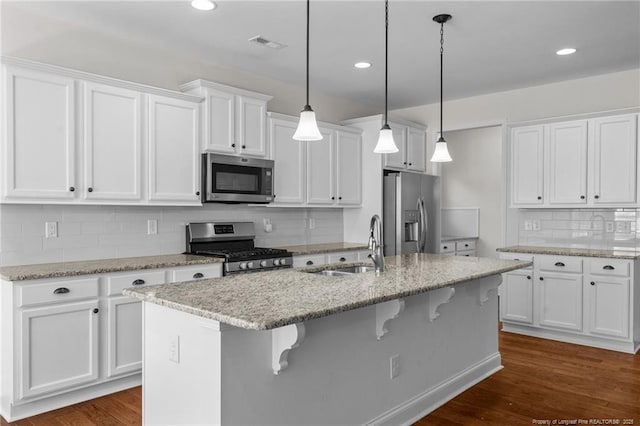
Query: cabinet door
{"points": [[559, 301], [251, 131], [321, 169], [40, 141], [517, 296], [112, 143], [220, 127], [568, 163], [607, 304], [397, 160], [173, 151], [124, 336], [59, 347], [349, 168], [416, 149], [527, 165], [289, 162], [614, 160]]}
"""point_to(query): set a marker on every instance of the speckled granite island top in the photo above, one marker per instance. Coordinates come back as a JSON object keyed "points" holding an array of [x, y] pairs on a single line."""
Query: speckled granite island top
{"points": [[565, 251], [323, 248], [87, 267], [267, 300]]}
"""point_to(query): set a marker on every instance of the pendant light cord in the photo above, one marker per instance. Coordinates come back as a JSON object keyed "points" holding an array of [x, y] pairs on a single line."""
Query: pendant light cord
{"points": [[386, 58], [308, 52], [441, 84]]}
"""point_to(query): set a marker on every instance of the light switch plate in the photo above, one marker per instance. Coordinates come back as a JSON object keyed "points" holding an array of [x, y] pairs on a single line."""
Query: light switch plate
{"points": [[528, 226], [51, 230], [152, 227], [609, 226], [536, 225]]}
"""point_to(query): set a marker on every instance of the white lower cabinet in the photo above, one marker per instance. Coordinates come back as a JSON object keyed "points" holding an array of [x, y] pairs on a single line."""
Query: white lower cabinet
{"points": [[66, 340], [556, 300], [302, 260]]}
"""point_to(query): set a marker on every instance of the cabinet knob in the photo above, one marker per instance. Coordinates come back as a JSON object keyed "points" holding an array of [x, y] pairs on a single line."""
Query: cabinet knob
{"points": [[342, 259], [72, 189], [96, 310], [198, 275], [596, 196], [541, 279], [466, 245], [274, 195], [333, 198], [608, 267], [339, 198], [405, 163], [244, 146], [198, 193], [61, 290], [445, 247], [592, 283], [528, 277], [411, 164], [309, 262], [90, 189], [233, 145], [582, 197], [138, 282], [539, 197], [559, 264]]}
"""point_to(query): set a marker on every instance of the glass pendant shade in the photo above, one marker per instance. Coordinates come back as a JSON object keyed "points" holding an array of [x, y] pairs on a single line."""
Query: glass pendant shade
{"points": [[386, 144], [441, 153], [307, 127]]}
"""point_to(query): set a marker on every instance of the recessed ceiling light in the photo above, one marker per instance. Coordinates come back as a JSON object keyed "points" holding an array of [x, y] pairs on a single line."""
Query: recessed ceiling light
{"points": [[566, 51], [362, 65], [203, 4]]}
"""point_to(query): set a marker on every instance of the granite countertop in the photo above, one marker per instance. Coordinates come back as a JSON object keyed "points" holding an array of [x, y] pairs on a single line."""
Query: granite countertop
{"points": [[456, 238], [277, 298], [87, 267], [323, 248], [566, 251]]}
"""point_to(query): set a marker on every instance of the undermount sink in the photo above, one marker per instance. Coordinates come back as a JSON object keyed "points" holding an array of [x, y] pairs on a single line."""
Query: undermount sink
{"points": [[343, 272]]}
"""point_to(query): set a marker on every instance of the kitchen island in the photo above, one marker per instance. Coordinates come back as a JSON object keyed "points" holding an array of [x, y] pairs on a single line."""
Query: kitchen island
{"points": [[295, 347]]}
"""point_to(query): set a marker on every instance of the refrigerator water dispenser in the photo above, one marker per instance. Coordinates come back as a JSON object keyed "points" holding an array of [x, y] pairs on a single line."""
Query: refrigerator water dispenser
{"points": [[411, 224]]}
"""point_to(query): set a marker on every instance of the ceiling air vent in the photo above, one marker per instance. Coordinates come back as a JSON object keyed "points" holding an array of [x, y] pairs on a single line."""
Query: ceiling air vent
{"points": [[267, 43]]}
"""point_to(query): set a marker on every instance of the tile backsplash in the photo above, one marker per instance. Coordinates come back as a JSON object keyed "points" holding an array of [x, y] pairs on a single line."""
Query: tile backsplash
{"points": [[580, 228], [100, 232]]}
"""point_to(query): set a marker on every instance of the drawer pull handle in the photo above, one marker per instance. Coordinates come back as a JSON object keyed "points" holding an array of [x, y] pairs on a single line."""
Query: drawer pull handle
{"points": [[516, 259], [445, 247], [309, 262], [593, 283], [528, 277], [198, 275], [61, 290], [466, 245], [342, 259], [96, 310], [138, 282], [559, 264], [541, 279], [608, 267]]}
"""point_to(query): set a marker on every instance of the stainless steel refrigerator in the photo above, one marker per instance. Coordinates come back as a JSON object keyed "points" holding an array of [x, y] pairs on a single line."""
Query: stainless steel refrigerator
{"points": [[411, 213]]}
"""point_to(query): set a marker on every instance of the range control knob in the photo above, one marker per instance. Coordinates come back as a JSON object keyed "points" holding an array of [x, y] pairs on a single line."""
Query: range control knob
{"points": [[263, 263], [276, 262], [243, 265], [249, 265], [283, 261]]}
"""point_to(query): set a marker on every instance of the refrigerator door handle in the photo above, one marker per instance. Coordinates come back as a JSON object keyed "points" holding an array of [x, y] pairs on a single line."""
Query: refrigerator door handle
{"points": [[424, 226], [420, 226]]}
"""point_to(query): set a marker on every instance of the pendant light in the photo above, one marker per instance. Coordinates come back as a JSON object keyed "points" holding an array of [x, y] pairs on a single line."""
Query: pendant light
{"points": [[307, 127], [385, 144], [441, 153]]}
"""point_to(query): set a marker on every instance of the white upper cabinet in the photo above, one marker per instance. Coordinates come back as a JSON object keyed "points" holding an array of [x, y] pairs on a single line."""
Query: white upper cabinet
{"points": [[112, 142], [568, 163], [289, 162], [412, 148], [173, 150], [321, 169], [40, 138], [614, 160], [349, 168], [234, 119], [590, 162], [527, 148], [79, 138]]}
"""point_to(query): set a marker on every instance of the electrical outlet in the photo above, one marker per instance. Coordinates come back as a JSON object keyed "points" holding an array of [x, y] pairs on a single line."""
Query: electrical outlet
{"points": [[624, 227], [268, 227], [312, 223], [174, 349], [528, 226], [394, 364], [609, 226], [152, 227], [536, 225], [51, 230]]}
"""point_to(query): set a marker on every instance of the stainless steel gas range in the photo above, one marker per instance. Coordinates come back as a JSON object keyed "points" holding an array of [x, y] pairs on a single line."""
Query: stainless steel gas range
{"points": [[234, 242]]}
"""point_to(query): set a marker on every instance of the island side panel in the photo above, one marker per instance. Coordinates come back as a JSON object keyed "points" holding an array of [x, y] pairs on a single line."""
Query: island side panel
{"points": [[340, 373]]}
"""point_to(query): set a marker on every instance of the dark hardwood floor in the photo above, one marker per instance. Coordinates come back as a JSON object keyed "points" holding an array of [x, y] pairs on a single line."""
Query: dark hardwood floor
{"points": [[541, 380]]}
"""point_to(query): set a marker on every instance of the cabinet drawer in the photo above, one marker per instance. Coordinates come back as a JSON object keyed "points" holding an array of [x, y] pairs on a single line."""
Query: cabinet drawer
{"points": [[525, 257], [465, 245], [364, 255], [195, 273], [467, 253], [610, 267], [448, 247], [558, 263], [57, 291], [309, 260], [348, 256], [117, 283]]}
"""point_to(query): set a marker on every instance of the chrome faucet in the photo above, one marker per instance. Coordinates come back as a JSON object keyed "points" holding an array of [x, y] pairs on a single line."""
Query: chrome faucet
{"points": [[376, 244]]}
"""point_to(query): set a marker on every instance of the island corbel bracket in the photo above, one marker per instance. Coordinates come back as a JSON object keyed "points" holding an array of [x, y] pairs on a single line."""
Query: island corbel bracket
{"points": [[385, 312], [284, 339], [486, 285], [437, 298]]}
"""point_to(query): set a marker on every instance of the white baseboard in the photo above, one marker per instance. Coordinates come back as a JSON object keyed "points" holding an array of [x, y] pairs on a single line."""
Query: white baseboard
{"points": [[424, 403]]}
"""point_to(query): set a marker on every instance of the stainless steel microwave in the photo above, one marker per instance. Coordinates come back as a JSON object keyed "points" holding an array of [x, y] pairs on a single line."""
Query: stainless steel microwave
{"points": [[231, 179]]}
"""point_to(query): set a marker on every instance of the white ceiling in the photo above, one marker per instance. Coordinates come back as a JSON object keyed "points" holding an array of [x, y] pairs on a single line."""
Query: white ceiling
{"points": [[489, 46]]}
